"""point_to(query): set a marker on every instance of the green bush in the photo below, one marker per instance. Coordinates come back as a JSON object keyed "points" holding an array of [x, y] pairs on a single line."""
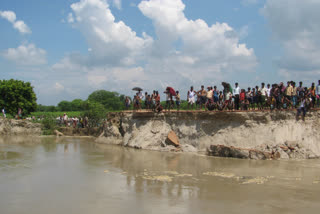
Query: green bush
{"points": [[49, 124], [95, 112]]}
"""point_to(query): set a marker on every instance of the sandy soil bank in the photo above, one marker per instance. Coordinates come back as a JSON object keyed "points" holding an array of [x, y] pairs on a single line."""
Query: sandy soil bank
{"points": [[256, 135], [197, 131], [19, 127]]}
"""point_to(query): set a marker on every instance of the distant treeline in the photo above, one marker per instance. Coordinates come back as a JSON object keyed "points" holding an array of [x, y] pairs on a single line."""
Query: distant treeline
{"points": [[111, 101]]}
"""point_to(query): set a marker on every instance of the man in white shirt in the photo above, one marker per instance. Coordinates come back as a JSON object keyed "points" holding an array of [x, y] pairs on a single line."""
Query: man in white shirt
{"points": [[140, 95], [268, 90], [65, 119], [4, 113], [191, 97], [168, 100], [262, 97], [229, 104], [228, 96], [236, 94]]}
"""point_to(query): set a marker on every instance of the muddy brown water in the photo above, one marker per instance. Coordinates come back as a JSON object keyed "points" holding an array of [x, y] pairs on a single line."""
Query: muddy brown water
{"points": [[75, 175]]}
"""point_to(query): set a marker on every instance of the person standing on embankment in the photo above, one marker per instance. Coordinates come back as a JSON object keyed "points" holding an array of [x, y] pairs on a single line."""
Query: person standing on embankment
{"points": [[236, 94], [302, 108], [318, 94], [4, 113]]}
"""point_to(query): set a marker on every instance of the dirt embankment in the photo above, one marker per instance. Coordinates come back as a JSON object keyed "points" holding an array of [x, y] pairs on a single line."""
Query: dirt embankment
{"points": [[256, 135], [19, 127], [12, 127], [70, 131]]}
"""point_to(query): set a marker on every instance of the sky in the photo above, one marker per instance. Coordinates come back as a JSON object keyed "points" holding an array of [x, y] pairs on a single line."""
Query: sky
{"points": [[69, 48]]}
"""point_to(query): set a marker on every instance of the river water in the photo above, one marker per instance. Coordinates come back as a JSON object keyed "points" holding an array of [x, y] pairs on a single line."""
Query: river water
{"points": [[75, 175]]}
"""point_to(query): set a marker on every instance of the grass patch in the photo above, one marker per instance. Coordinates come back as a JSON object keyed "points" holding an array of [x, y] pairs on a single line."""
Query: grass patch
{"points": [[55, 114], [48, 125]]}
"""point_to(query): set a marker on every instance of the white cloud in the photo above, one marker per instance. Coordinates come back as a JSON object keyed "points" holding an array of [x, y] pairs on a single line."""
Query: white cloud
{"points": [[9, 15], [70, 18], [112, 42], [295, 25], [184, 51], [58, 87], [19, 25], [26, 55], [117, 4], [212, 49]]}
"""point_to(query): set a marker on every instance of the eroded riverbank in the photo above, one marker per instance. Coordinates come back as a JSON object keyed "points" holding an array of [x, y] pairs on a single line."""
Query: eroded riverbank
{"points": [[275, 133], [253, 135]]}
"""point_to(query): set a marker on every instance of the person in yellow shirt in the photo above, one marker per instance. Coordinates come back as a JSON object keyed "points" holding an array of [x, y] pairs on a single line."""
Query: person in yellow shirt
{"points": [[312, 93], [209, 97], [289, 90]]}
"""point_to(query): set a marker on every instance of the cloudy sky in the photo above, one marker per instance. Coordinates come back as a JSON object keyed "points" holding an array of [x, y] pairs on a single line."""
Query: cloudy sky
{"points": [[69, 48]]}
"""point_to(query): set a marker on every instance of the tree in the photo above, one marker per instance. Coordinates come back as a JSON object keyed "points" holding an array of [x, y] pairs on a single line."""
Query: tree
{"points": [[43, 108], [76, 105], [17, 94], [65, 106], [110, 100], [95, 113]]}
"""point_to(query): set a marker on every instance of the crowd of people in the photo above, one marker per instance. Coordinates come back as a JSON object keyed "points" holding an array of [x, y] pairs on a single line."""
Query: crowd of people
{"points": [[17, 116], [272, 97], [152, 101], [74, 122]]}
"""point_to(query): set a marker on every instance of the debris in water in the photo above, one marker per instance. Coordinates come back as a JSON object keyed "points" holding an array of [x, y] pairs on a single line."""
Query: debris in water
{"points": [[220, 174], [171, 172], [158, 178], [245, 179], [105, 171], [258, 180], [293, 179], [184, 175]]}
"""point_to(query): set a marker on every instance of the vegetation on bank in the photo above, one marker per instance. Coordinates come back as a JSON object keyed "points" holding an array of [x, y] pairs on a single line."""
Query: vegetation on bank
{"points": [[95, 112], [111, 101], [17, 94], [48, 125], [55, 114]]}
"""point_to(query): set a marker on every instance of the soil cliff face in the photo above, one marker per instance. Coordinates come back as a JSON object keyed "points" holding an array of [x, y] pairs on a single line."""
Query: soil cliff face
{"points": [[272, 132], [19, 127]]}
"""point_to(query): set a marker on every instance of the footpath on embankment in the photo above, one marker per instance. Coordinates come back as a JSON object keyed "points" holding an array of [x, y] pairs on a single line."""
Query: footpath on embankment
{"points": [[250, 135]]}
